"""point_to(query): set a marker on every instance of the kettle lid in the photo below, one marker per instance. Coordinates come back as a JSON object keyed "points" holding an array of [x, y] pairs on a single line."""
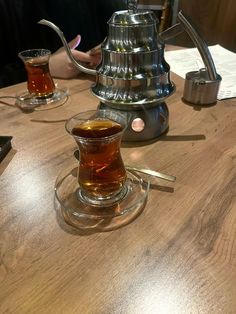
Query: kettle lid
{"points": [[130, 18]]}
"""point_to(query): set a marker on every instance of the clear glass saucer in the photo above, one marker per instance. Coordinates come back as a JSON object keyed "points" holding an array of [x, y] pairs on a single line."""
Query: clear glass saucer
{"points": [[91, 217], [27, 101]]}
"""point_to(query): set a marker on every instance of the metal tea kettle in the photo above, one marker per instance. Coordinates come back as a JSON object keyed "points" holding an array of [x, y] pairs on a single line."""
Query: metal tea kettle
{"points": [[133, 76]]}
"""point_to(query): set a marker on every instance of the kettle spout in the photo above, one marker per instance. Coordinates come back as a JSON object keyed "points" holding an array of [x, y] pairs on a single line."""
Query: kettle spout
{"points": [[67, 48]]}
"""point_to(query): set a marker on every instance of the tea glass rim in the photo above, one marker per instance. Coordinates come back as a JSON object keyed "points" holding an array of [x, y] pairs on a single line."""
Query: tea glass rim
{"points": [[94, 111], [34, 53]]}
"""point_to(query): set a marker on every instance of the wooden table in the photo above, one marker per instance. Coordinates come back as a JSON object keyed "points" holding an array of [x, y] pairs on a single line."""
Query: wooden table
{"points": [[178, 256]]}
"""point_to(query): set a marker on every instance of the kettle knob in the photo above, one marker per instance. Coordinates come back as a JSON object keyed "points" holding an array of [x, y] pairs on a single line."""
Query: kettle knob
{"points": [[132, 5]]}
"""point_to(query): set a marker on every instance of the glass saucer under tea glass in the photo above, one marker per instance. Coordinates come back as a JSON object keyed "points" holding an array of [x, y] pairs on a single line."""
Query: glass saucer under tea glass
{"points": [[86, 216], [27, 101], [41, 88]]}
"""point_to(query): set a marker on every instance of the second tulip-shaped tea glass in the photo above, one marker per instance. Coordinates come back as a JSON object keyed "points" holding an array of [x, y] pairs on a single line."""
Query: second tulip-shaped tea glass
{"points": [[39, 80], [101, 171]]}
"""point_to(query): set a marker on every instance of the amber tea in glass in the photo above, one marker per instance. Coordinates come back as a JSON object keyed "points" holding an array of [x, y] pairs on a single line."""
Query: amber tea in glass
{"points": [[101, 173], [39, 80]]}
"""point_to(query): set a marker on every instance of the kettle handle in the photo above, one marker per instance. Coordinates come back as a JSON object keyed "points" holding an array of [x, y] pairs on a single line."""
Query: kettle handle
{"points": [[67, 48], [201, 46]]}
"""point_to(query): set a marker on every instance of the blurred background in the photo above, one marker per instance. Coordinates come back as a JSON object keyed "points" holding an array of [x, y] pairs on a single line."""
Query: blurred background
{"points": [[214, 19]]}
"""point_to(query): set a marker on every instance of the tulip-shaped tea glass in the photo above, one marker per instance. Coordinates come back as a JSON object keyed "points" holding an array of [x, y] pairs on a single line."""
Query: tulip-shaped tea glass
{"points": [[40, 84], [95, 190], [101, 172], [39, 80]]}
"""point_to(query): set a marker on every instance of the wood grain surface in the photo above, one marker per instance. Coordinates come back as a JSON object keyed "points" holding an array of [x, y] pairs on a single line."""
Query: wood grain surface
{"points": [[178, 256]]}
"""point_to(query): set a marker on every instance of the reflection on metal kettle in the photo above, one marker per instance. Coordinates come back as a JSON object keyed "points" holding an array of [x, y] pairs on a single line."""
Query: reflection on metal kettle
{"points": [[133, 75]]}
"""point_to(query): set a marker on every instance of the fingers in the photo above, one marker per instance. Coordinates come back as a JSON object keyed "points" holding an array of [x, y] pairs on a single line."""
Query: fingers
{"points": [[62, 67], [72, 44], [95, 50], [85, 57], [75, 42]]}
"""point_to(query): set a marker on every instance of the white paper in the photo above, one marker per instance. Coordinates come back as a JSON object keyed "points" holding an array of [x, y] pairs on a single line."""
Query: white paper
{"points": [[186, 60]]}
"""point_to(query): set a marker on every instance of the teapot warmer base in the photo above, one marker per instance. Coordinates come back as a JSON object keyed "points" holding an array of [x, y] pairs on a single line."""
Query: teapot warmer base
{"points": [[145, 123]]}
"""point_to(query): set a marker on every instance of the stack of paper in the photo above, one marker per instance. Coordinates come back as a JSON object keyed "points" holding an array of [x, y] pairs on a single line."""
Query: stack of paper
{"points": [[186, 60]]}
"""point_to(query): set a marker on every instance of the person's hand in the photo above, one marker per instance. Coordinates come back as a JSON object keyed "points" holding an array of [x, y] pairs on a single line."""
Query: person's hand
{"points": [[61, 66]]}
